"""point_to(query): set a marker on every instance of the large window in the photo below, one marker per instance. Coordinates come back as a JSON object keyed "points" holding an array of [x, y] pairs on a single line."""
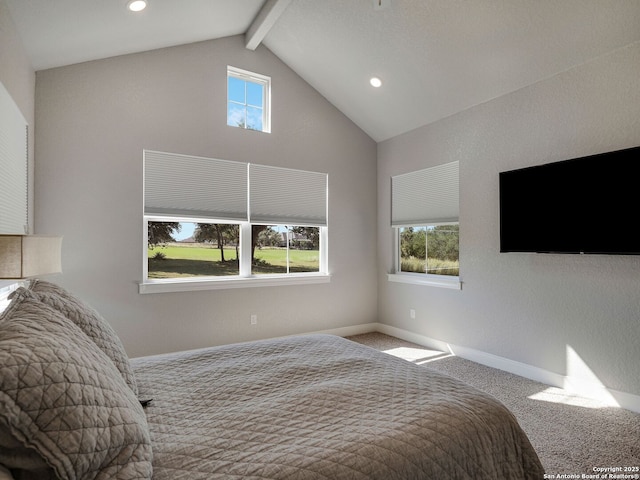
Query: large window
{"points": [[188, 250], [424, 215], [214, 220], [248, 100]]}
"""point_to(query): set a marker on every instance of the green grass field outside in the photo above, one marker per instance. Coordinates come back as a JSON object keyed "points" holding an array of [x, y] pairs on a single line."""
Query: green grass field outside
{"points": [[183, 261], [436, 266]]}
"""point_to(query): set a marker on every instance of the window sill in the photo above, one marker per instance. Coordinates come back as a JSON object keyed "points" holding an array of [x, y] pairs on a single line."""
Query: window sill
{"points": [[430, 280], [167, 286]]}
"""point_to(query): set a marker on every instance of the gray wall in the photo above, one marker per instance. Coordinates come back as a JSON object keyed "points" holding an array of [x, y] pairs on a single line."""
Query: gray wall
{"points": [[93, 121], [527, 308]]}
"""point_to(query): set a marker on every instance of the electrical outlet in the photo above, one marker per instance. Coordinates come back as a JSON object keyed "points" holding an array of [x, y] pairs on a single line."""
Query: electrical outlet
{"points": [[412, 313], [254, 319]]}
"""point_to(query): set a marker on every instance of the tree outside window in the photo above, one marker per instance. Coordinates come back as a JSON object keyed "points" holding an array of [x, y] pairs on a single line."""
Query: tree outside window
{"points": [[430, 249]]}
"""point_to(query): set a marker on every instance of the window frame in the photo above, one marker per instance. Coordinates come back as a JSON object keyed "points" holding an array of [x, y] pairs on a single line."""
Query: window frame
{"points": [[245, 277], [289, 231], [259, 79], [434, 280]]}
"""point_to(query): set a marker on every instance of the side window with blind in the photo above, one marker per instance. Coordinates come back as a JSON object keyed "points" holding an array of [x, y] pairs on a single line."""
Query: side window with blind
{"points": [[424, 214], [13, 167], [215, 219]]}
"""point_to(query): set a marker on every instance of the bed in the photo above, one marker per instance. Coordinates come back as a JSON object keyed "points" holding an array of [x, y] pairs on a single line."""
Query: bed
{"points": [[305, 407]]}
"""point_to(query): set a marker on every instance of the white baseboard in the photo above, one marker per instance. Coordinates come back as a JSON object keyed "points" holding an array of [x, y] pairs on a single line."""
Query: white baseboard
{"points": [[354, 330], [578, 387], [413, 337]]}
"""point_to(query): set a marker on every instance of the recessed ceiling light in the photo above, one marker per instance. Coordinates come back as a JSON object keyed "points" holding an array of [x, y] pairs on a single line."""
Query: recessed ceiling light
{"points": [[137, 5], [375, 82]]}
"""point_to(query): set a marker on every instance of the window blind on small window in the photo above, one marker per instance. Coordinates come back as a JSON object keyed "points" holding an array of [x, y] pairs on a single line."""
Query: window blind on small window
{"points": [[194, 187], [13, 167], [287, 197], [425, 197]]}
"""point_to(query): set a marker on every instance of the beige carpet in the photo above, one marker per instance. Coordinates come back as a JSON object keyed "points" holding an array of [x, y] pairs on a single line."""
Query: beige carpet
{"points": [[572, 435]]}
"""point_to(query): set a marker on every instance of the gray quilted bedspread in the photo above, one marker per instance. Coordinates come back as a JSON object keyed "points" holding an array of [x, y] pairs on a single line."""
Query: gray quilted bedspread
{"points": [[322, 407]]}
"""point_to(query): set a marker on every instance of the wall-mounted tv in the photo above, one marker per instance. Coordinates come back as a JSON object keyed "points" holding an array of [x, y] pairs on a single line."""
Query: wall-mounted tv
{"points": [[585, 205]]}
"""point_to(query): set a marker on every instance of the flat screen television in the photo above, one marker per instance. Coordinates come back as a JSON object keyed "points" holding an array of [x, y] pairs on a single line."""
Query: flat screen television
{"points": [[587, 205]]}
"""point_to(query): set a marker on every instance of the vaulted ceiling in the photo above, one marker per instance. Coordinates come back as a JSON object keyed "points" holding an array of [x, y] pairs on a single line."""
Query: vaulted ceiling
{"points": [[434, 57]]}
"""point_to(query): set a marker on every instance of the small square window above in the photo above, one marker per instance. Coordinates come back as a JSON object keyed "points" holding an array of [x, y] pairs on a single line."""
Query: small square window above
{"points": [[248, 100]]}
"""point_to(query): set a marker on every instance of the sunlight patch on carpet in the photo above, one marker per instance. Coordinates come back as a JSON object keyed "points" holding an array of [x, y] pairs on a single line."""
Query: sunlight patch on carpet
{"points": [[559, 395], [418, 356], [582, 387]]}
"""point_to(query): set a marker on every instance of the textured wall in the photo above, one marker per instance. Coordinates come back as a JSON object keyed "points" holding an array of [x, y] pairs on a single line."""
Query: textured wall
{"points": [[533, 309], [93, 121]]}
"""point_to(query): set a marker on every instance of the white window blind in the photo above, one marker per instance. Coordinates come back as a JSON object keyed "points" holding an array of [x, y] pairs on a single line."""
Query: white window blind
{"points": [[194, 187], [13, 167], [425, 197], [287, 197]]}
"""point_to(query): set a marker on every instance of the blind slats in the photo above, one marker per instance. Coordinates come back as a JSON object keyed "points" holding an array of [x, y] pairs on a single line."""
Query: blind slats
{"points": [[195, 187], [286, 196], [425, 197], [13, 165]]}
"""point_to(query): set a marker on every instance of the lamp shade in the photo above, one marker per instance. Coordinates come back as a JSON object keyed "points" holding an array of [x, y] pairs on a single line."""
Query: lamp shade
{"points": [[24, 256]]}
